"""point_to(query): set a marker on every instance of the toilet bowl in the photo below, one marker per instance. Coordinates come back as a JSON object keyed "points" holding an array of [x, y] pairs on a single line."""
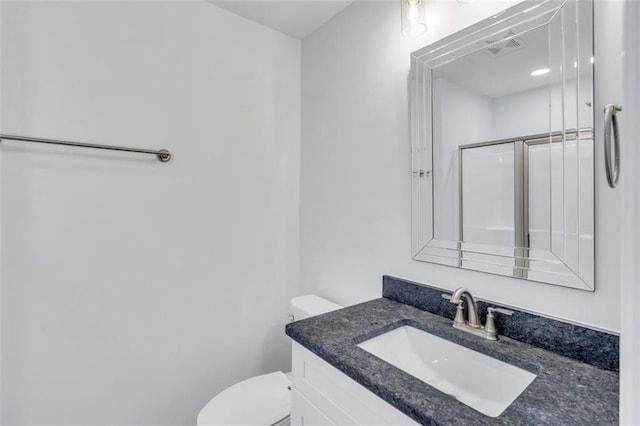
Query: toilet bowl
{"points": [[263, 400]]}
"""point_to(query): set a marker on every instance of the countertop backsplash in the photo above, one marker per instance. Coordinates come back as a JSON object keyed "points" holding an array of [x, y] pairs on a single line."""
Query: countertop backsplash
{"points": [[584, 344]]}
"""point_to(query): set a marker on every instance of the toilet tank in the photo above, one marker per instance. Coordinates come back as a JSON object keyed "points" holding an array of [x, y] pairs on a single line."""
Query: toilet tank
{"points": [[309, 305]]}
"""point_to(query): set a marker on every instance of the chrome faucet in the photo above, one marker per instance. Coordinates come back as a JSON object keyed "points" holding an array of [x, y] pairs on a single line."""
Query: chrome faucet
{"points": [[472, 308], [472, 324]]}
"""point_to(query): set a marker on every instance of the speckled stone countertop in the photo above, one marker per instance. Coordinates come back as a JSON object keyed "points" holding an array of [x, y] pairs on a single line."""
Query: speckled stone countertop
{"points": [[566, 391]]}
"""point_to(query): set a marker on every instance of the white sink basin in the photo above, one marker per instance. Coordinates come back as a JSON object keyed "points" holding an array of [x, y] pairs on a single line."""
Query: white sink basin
{"points": [[479, 381]]}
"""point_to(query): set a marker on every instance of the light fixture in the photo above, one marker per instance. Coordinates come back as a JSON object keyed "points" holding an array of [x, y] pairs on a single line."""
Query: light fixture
{"points": [[414, 18], [542, 71]]}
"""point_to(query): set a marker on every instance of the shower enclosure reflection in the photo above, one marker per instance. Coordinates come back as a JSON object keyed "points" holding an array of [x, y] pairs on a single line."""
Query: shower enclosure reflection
{"points": [[505, 187]]}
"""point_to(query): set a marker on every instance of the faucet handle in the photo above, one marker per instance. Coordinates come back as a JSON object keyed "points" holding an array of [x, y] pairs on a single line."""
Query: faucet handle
{"points": [[490, 325], [503, 311], [459, 319]]}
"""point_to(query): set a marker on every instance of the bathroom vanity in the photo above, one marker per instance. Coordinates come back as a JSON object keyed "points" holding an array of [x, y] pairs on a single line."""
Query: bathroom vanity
{"points": [[335, 381], [503, 129]]}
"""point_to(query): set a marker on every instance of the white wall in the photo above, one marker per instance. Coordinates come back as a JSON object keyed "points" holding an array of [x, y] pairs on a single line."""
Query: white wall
{"points": [[527, 113], [630, 185], [133, 291], [0, 215], [355, 180], [455, 104]]}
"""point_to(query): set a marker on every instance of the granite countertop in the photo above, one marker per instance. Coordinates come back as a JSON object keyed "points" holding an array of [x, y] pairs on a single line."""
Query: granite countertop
{"points": [[566, 391]]}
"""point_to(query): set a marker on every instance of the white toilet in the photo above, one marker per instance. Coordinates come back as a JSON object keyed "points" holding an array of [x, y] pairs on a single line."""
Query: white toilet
{"points": [[262, 400]]}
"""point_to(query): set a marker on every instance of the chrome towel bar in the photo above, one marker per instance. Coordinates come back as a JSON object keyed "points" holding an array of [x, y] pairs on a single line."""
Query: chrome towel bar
{"points": [[162, 154]]}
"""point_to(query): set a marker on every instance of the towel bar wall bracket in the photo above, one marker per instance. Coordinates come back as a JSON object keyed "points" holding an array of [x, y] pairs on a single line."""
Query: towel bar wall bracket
{"points": [[162, 154]]}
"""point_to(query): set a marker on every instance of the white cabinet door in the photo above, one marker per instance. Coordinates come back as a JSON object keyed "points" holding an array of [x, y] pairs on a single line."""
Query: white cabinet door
{"points": [[304, 413], [339, 398]]}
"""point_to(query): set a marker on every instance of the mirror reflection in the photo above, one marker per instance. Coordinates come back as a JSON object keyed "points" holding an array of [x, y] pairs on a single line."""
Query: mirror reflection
{"points": [[503, 146]]}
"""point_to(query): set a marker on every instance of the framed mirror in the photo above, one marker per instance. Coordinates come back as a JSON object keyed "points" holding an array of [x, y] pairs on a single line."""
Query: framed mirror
{"points": [[502, 145]]}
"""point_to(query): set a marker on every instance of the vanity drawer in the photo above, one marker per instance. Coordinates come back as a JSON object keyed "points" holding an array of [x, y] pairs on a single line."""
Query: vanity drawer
{"points": [[341, 399]]}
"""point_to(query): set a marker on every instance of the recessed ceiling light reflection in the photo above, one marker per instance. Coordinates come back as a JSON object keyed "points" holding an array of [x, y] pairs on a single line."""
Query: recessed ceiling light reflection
{"points": [[542, 71]]}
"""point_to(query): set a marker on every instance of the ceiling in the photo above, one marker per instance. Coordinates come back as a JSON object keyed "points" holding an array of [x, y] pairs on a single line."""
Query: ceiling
{"points": [[506, 71], [297, 18]]}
